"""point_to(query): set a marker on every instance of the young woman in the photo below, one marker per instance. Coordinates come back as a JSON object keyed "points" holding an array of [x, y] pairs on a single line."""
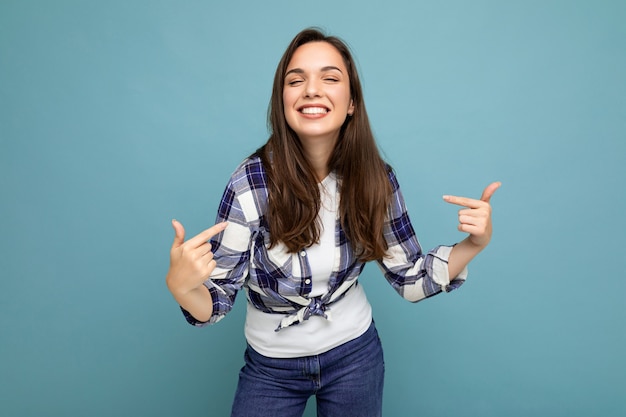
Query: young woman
{"points": [[297, 223]]}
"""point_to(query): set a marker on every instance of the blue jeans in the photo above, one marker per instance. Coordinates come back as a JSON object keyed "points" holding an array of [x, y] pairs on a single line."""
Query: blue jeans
{"points": [[347, 381]]}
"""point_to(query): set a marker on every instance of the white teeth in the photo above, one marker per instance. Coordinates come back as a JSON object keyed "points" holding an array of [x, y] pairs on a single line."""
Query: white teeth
{"points": [[314, 110]]}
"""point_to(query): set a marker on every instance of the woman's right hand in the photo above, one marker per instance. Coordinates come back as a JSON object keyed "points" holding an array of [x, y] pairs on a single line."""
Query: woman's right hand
{"points": [[191, 262]]}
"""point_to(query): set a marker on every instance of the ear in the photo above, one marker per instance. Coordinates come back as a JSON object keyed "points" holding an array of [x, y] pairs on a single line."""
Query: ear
{"points": [[351, 108]]}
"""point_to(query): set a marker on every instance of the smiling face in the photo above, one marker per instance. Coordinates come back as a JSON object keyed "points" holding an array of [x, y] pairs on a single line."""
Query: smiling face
{"points": [[316, 93]]}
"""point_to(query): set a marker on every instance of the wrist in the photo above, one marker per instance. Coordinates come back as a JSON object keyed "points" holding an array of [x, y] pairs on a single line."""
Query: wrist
{"points": [[179, 289], [478, 243]]}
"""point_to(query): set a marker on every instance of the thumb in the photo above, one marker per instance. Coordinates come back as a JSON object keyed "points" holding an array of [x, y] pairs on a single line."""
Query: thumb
{"points": [[179, 233], [488, 192]]}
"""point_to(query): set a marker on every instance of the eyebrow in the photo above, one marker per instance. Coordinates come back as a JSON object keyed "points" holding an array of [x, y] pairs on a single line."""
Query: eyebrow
{"points": [[323, 69]]}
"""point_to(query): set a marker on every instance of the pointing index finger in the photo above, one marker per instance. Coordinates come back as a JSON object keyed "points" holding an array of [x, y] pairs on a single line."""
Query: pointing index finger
{"points": [[462, 201], [473, 203], [207, 234]]}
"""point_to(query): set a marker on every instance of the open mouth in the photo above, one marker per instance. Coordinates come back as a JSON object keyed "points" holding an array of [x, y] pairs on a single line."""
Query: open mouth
{"points": [[313, 110]]}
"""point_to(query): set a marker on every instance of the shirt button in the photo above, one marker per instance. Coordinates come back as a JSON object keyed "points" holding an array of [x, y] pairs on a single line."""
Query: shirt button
{"points": [[307, 281], [302, 253]]}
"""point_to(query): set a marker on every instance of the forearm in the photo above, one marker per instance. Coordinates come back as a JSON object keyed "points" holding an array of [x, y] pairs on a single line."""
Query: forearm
{"points": [[198, 302], [461, 255]]}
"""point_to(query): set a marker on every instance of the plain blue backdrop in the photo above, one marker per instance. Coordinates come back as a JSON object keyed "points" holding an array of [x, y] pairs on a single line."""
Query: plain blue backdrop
{"points": [[117, 116]]}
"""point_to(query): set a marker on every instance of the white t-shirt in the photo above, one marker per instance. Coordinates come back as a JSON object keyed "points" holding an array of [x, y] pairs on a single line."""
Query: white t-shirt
{"points": [[349, 317]]}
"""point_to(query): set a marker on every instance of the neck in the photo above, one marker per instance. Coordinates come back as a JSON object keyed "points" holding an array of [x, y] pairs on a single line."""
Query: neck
{"points": [[317, 152]]}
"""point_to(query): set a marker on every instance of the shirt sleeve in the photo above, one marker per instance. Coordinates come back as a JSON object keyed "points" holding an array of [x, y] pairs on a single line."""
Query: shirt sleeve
{"points": [[413, 274], [231, 251]]}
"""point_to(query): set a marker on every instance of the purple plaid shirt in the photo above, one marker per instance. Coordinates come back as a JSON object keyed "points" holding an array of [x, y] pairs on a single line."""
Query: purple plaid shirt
{"points": [[277, 281]]}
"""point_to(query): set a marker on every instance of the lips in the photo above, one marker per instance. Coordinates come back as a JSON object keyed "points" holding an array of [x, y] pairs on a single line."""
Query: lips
{"points": [[313, 110]]}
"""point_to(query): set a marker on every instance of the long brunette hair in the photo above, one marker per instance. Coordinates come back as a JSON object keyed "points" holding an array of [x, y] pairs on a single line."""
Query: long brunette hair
{"points": [[294, 196]]}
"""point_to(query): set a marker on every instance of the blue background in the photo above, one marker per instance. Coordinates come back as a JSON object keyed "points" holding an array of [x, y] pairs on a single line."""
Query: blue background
{"points": [[117, 116]]}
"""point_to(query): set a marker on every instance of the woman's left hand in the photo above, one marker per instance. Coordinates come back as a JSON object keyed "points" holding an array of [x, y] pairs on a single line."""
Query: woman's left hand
{"points": [[475, 218]]}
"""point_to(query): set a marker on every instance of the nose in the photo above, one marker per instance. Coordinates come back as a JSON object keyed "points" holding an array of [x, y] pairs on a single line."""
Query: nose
{"points": [[312, 89]]}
